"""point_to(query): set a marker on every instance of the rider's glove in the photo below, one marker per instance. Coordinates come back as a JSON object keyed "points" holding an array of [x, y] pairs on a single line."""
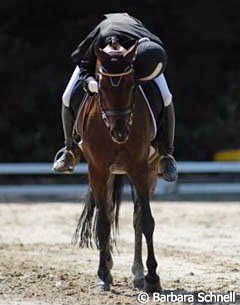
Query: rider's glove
{"points": [[90, 85]]}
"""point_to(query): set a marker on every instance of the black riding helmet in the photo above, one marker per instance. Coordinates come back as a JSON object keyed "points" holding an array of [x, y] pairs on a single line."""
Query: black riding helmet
{"points": [[151, 60], [114, 62]]}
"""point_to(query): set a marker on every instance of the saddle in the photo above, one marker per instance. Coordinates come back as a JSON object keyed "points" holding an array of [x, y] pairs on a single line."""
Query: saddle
{"points": [[83, 111], [152, 97]]}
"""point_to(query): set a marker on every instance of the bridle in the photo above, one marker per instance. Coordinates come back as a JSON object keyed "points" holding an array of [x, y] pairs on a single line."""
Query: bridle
{"points": [[106, 114], [127, 71]]}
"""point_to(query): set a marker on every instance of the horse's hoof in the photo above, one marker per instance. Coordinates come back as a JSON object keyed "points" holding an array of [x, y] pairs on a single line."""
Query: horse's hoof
{"points": [[102, 286], [138, 282], [152, 285]]}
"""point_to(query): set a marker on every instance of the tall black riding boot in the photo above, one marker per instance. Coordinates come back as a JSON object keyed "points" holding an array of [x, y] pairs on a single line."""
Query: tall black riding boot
{"points": [[168, 169], [66, 163]]}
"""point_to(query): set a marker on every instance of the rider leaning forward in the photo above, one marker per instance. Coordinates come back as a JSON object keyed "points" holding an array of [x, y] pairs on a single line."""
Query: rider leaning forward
{"points": [[149, 65]]}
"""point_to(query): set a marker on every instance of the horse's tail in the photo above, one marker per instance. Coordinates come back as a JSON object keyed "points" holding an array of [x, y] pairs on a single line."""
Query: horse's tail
{"points": [[117, 199], [86, 223], [86, 229]]}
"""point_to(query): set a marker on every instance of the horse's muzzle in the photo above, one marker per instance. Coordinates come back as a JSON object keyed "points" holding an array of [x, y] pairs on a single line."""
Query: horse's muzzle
{"points": [[119, 136]]}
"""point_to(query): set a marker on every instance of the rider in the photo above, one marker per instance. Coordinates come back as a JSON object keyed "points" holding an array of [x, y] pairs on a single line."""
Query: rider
{"points": [[149, 64]]}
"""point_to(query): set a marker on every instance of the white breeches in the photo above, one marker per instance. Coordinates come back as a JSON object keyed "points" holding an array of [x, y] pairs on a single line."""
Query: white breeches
{"points": [[163, 87], [160, 81], [68, 91]]}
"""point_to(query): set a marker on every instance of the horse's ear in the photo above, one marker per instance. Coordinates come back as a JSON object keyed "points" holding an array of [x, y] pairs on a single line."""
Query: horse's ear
{"points": [[101, 55], [131, 53]]}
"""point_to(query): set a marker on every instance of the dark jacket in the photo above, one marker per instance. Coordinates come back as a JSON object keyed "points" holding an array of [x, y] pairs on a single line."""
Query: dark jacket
{"points": [[127, 28]]}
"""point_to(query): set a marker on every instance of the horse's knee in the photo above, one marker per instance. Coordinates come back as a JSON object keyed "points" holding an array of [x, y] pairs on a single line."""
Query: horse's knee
{"points": [[103, 229], [103, 220]]}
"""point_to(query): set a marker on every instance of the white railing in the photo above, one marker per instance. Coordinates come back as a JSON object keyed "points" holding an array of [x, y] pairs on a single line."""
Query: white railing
{"points": [[34, 169], [183, 167], [162, 186]]}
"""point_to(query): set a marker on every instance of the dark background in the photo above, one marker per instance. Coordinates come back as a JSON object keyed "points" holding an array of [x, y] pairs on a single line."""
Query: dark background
{"points": [[37, 38]]}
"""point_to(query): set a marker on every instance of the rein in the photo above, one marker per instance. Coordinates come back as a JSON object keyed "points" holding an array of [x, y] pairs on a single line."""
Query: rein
{"points": [[106, 114]]}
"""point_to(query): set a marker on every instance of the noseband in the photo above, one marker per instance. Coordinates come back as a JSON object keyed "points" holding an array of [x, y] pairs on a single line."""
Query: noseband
{"points": [[106, 114]]}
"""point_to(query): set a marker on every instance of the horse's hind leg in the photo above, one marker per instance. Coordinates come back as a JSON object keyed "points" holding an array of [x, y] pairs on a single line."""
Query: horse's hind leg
{"points": [[103, 228], [137, 267]]}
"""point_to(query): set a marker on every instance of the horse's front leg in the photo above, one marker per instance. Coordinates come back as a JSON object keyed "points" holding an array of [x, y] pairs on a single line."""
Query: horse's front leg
{"points": [[103, 228], [99, 182], [137, 267], [152, 281]]}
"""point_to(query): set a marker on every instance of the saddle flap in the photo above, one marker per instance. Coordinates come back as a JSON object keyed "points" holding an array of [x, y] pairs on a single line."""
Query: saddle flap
{"points": [[82, 113], [148, 92]]}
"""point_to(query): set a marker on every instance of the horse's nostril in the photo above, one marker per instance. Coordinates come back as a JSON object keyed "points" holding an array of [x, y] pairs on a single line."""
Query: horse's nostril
{"points": [[112, 133], [119, 136]]}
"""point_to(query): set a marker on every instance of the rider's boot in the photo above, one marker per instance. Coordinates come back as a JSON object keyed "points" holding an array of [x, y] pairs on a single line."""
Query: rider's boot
{"points": [[71, 152], [168, 168]]}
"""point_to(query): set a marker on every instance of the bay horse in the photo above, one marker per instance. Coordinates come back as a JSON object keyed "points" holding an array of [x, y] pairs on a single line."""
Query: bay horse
{"points": [[116, 131]]}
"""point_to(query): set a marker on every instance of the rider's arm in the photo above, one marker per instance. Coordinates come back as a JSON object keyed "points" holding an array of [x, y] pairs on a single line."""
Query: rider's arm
{"points": [[87, 71], [87, 64], [83, 48], [84, 56]]}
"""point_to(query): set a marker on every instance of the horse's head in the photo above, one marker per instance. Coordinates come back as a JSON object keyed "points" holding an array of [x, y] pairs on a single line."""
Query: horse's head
{"points": [[116, 86]]}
